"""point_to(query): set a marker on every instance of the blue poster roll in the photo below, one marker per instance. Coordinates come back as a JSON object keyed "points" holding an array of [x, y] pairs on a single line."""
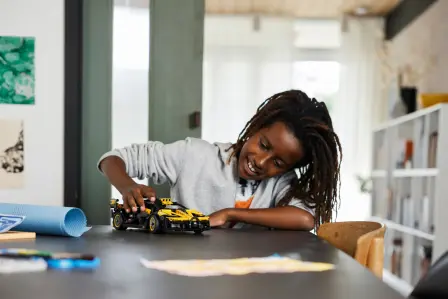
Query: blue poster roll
{"points": [[48, 220]]}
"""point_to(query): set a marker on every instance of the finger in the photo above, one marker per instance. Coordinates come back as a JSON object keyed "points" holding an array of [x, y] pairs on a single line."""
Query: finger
{"points": [[149, 193], [215, 223], [125, 203], [131, 203], [139, 198], [212, 220]]}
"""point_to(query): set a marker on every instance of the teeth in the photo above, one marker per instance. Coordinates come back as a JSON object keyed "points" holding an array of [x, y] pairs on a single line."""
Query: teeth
{"points": [[251, 167]]}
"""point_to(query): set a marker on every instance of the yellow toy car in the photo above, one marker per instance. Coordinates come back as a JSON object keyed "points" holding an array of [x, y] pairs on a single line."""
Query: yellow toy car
{"points": [[160, 216]]}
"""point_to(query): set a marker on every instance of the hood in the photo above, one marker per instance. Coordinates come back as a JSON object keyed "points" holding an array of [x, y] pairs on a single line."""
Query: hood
{"points": [[182, 213]]}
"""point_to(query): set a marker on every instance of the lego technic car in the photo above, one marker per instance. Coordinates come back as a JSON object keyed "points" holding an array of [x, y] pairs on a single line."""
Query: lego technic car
{"points": [[160, 216]]}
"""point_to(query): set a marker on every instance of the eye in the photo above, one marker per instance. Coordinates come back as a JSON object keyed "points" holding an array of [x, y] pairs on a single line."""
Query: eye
{"points": [[278, 163], [263, 145]]}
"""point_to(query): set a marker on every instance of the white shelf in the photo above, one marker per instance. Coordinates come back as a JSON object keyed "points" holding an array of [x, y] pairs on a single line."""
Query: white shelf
{"points": [[408, 117], [410, 194], [397, 283], [409, 172], [404, 229], [415, 172]]}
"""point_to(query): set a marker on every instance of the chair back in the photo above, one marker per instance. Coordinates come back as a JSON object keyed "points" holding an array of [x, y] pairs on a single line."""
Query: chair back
{"points": [[362, 240], [345, 235], [370, 251]]}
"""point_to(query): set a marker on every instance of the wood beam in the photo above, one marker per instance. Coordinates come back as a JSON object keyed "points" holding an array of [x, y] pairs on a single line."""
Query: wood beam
{"points": [[404, 14]]}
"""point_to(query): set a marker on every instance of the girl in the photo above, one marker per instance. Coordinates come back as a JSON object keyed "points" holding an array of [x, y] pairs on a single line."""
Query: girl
{"points": [[282, 172]]}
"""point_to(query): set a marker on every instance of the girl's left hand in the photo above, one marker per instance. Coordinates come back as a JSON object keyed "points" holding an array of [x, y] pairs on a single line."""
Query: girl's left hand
{"points": [[219, 218]]}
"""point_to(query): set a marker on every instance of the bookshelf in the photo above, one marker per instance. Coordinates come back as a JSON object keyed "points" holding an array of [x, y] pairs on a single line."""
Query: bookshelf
{"points": [[410, 192]]}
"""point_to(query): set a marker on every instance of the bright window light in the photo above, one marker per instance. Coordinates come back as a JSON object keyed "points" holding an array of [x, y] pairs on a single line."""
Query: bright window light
{"points": [[318, 79]]}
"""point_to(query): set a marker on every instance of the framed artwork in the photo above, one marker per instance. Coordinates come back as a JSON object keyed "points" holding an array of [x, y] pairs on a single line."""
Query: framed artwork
{"points": [[17, 70], [12, 164]]}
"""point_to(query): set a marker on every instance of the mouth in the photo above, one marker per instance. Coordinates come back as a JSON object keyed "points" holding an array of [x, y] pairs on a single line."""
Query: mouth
{"points": [[250, 168]]}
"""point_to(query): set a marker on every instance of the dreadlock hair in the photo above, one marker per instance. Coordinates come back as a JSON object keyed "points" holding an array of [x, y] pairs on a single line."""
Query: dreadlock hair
{"points": [[309, 120]]}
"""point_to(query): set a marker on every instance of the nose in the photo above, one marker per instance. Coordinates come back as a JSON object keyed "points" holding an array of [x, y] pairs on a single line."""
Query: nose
{"points": [[261, 161]]}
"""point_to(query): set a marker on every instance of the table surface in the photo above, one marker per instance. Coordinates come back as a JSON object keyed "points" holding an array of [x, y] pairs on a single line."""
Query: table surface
{"points": [[122, 276]]}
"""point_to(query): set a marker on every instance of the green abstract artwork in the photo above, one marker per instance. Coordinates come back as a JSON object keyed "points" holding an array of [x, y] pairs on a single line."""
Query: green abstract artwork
{"points": [[17, 70]]}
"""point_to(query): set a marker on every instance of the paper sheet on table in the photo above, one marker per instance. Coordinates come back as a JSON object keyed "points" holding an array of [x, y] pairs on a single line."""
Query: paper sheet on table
{"points": [[48, 220], [239, 266]]}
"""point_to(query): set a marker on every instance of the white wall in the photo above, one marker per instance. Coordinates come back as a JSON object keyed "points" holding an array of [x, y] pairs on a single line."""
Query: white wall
{"points": [[358, 110], [44, 121], [317, 34], [246, 61], [243, 31], [425, 37], [242, 67]]}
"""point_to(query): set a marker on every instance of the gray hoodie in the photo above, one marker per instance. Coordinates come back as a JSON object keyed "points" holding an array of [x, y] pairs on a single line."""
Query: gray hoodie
{"points": [[200, 175]]}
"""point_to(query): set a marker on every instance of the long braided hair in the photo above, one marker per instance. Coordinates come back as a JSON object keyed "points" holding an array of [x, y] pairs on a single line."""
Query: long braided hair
{"points": [[309, 120]]}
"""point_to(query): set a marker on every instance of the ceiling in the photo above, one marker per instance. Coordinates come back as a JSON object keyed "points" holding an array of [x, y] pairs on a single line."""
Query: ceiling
{"points": [[300, 8], [288, 8]]}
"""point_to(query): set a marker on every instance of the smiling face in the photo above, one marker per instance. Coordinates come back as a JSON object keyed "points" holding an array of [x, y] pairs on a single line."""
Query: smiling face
{"points": [[271, 151]]}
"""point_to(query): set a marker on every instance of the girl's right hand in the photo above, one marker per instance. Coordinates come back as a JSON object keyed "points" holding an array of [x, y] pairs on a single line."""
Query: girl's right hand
{"points": [[133, 197]]}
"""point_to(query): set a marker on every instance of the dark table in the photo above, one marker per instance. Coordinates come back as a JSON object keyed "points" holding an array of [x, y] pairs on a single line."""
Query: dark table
{"points": [[122, 276]]}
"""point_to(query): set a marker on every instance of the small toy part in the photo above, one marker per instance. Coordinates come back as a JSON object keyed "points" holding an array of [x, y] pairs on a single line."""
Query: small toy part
{"points": [[160, 216], [13, 235], [13, 265], [54, 260], [75, 262]]}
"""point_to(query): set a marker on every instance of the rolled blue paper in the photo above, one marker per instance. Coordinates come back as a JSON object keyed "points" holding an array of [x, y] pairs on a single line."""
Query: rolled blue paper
{"points": [[48, 220]]}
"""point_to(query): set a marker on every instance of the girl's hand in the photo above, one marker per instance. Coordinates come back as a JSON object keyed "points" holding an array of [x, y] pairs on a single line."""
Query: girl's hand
{"points": [[219, 218], [134, 195]]}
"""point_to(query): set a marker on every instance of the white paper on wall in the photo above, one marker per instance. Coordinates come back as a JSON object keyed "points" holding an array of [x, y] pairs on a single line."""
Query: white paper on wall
{"points": [[11, 154]]}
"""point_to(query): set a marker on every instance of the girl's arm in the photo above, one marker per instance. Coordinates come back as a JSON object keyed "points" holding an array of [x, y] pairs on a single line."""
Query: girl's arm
{"points": [[160, 162], [288, 217], [114, 169], [294, 216], [133, 194]]}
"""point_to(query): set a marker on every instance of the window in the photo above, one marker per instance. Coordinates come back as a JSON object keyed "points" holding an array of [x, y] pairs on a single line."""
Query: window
{"points": [[318, 79]]}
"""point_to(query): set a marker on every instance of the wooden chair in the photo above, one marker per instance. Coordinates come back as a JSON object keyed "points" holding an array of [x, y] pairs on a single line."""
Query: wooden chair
{"points": [[362, 240]]}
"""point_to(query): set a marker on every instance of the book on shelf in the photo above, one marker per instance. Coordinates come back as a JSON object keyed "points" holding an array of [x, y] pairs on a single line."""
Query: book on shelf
{"points": [[421, 252], [405, 153], [396, 257], [432, 150]]}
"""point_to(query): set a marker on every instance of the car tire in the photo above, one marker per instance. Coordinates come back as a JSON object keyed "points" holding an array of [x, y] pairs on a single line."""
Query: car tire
{"points": [[118, 221], [154, 224], [198, 231]]}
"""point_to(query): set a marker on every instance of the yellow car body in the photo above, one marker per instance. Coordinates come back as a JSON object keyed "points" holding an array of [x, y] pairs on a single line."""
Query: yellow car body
{"points": [[180, 215], [163, 215], [176, 212]]}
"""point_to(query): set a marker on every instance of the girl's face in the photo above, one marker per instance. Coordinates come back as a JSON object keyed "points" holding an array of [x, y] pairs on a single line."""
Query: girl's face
{"points": [[270, 152]]}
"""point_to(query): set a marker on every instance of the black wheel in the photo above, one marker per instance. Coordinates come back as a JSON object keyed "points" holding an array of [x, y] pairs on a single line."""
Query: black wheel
{"points": [[198, 231], [118, 221], [154, 224]]}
